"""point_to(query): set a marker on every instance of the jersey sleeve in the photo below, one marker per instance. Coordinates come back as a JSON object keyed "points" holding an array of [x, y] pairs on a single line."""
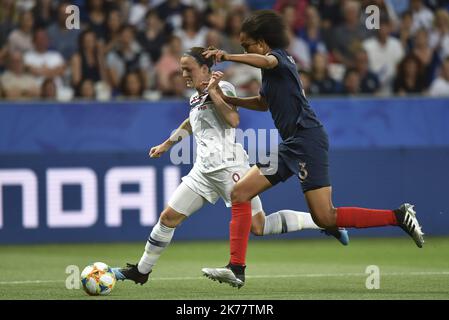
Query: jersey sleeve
{"points": [[227, 88], [278, 56]]}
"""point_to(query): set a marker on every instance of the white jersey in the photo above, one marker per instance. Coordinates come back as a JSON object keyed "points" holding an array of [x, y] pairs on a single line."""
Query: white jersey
{"points": [[216, 146]]}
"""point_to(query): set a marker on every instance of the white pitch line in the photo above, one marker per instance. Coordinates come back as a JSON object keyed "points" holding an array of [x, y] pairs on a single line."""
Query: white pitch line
{"points": [[29, 281], [306, 275]]}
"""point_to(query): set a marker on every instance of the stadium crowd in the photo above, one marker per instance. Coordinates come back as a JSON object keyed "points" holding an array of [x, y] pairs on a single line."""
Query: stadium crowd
{"points": [[131, 49]]}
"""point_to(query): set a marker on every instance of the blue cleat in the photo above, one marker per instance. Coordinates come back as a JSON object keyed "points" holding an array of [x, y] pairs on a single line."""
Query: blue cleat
{"points": [[131, 272], [341, 235], [118, 274]]}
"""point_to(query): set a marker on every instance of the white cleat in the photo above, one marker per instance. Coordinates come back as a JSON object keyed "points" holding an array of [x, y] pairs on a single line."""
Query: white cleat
{"points": [[406, 216], [223, 275]]}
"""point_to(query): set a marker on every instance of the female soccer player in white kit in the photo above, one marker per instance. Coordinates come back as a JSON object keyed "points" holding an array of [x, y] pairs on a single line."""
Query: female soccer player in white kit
{"points": [[220, 163]]}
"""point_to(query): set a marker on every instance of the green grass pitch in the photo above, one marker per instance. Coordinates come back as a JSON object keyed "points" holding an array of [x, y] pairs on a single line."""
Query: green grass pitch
{"points": [[277, 269]]}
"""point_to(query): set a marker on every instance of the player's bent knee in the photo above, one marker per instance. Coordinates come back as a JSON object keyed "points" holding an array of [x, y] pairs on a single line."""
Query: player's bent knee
{"points": [[257, 230], [325, 222], [170, 219], [238, 196]]}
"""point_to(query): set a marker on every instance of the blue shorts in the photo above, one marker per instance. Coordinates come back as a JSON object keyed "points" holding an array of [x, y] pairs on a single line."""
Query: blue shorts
{"points": [[304, 155]]}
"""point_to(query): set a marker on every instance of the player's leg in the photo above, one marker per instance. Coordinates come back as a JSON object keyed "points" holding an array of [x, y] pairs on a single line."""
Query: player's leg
{"points": [[282, 221], [252, 183], [181, 205], [285, 221], [326, 216]]}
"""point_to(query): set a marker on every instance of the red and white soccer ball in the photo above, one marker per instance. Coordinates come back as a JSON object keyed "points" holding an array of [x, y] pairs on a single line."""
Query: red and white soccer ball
{"points": [[98, 279]]}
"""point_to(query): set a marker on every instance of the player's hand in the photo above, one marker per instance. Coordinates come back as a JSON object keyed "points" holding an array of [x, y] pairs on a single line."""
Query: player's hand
{"points": [[157, 151], [212, 84], [218, 55]]}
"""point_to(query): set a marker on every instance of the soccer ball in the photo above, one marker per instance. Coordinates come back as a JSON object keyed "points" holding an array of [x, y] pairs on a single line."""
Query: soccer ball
{"points": [[98, 279]]}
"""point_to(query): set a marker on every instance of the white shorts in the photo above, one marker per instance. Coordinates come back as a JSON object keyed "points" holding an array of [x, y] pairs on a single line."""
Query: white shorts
{"points": [[196, 187]]}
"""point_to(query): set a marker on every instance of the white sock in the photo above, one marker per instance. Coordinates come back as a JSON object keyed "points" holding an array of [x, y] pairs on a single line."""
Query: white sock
{"points": [[285, 221], [159, 239]]}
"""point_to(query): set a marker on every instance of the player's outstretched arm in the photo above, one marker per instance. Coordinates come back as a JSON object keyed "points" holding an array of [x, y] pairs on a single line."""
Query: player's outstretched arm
{"points": [[184, 130], [253, 59], [256, 103]]}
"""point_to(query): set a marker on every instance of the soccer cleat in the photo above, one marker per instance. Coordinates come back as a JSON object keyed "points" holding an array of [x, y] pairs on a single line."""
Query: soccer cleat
{"points": [[341, 234], [131, 272], [406, 218], [234, 275], [118, 274]]}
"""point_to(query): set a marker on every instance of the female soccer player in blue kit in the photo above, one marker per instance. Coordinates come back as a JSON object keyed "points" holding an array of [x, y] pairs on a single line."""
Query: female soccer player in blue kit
{"points": [[304, 149]]}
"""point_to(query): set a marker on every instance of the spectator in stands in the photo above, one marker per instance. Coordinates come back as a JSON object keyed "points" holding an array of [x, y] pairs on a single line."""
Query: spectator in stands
{"points": [[192, 32], [297, 8], [137, 13], [399, 6], [43, 13], [114, 23], [7, 22], [440, 86], [404, 33], [171, 12], [3, 54], [321, 82], [21, 39], [260, 5], [85, 90], [439, 36], [422, 16], [45, 63], [216, 39], [306, 80], [288, 13], [128, 57], [331, 13], [369, 82], [178, 87], [132, 86], [25, 5], [436, 4], [96, 17], [124, 7], [155, 35], [252, 87], [89, 61], [48, 89], [347, 37], [63, 40], [232, 31], [16, 83], [311, 33], [427, 55], [216, 14], [384, 53], [351, 82], [410, 76], [168, 63], [299, 50]]}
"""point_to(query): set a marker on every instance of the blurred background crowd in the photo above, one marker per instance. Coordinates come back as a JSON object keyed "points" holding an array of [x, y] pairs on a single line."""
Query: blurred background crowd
{"points": [[131, 49]]}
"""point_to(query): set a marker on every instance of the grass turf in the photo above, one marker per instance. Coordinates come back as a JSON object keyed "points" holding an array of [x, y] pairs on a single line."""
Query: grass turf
{"points": [[277, 269]]}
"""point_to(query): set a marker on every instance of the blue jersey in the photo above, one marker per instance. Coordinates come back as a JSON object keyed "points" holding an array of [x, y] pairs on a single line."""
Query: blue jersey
{"points": [[283, 91]]}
